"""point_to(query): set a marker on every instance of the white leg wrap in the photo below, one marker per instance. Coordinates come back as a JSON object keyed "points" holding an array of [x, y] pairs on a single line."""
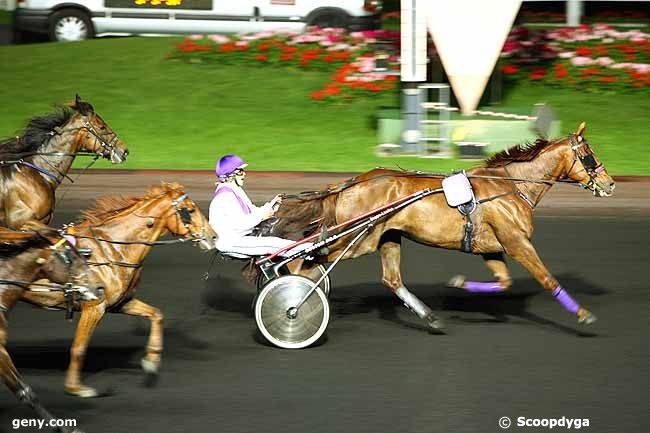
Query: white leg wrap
{"points": [[411, 301]]}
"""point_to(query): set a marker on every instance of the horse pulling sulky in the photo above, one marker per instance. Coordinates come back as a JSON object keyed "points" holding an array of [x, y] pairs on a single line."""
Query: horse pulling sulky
{"points": [[491, 217], [25, 257]]}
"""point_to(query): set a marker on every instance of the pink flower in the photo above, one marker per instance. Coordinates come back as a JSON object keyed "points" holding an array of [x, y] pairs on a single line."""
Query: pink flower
{"points": [[604, 61], [581, 61], [566, 55], [219, 39]]}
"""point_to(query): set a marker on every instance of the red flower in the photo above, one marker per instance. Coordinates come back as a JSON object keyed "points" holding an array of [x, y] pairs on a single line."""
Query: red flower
{"points": [[583, 51], [286, 56], [630, 58], [561, 73], [536, 77], [263, 47], [539, 72], [510, 69], [590, 71], [262, 57], [225, 48], [316, 95], [608, 79]]}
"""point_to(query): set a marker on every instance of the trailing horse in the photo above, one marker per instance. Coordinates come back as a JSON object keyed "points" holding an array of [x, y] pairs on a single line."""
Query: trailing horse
{"points": [[24, 258], [507, 188], [120, 232], [34, 164]]}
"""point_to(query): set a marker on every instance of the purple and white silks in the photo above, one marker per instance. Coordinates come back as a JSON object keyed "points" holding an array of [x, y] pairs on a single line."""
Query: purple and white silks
{"points": [[478, 287], [242, 204], [566, 300]]}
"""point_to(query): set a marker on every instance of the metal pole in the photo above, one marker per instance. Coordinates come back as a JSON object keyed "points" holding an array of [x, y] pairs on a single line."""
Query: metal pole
{"points": [[573, 12]]}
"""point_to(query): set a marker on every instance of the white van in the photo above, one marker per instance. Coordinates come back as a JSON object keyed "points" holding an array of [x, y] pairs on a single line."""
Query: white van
{"points": [[72, 20]]}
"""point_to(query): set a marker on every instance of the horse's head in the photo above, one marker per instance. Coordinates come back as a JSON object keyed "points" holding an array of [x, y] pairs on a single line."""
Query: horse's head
{"points": [[186, 219], [98, 137], [61, 263], [586, 168]]}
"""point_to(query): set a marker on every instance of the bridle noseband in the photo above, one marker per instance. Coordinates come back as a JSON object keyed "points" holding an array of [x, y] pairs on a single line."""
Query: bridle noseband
{"points": [[186, 218], [588, 161]]}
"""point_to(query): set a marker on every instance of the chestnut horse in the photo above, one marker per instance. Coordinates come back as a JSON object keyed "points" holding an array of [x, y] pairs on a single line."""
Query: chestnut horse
{"points": [[34, 164], [120, 232], [507, 188], [24, 258]]}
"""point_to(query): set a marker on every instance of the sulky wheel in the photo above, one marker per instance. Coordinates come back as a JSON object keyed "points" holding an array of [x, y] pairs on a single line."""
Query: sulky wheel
{"points": [[314, 274], [280, 323], [326, 284]]}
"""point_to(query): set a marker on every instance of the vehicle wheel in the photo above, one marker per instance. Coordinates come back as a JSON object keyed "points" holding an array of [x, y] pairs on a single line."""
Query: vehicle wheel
{"points": [[273, 307], [315, 275], [330, 19], [70, 25]]}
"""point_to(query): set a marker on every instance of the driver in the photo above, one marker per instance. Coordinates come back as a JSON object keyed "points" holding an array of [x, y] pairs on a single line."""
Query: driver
{"points": [[233, 216]]}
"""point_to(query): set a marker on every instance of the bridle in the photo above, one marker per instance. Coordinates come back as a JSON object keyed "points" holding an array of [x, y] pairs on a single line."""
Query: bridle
{"points": [[101, 146], [588, 161], [185, 215], [76, 284]]}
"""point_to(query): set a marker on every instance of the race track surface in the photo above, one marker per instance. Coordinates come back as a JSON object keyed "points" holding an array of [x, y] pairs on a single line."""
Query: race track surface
{"points": [[517, 354]]}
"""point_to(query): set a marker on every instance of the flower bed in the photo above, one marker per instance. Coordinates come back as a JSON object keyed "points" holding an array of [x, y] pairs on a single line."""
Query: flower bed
{"points": [[350, 57], [591, 58]]}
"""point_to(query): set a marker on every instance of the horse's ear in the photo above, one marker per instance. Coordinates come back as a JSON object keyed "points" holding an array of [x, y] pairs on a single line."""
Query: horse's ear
{"points": [[581, 129], [82, 107]]}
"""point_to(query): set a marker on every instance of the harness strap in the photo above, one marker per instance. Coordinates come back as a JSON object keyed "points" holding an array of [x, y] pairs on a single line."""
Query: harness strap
{"points": [[40, 170], [224, 188]]}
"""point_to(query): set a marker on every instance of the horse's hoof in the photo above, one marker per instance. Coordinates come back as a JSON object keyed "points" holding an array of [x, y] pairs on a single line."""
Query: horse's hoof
{"points": [[149, 367], [456, 281], [83, 392], [587, 318], [436, 327]]}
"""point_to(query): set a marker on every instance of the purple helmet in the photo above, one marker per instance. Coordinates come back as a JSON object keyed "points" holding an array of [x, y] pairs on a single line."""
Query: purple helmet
{"points": [[227, 166]]}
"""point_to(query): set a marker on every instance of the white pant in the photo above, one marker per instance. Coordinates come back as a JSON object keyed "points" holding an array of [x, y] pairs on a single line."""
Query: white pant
{"points": [[258, 245]]}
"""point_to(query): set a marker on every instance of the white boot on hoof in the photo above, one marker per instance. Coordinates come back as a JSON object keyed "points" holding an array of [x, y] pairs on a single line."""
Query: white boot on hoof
{"points": [[456, 281]]}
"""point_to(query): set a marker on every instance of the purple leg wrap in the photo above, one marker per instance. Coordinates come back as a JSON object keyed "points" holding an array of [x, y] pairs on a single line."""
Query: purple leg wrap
{"points": [[477, 287], [566, 300]]}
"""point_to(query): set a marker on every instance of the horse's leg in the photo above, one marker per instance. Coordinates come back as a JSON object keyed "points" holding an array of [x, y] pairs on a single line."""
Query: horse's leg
{"points": [[523, 252], [497, 265], [91, 314], [151, 362], [391, 277], [11, 378]]}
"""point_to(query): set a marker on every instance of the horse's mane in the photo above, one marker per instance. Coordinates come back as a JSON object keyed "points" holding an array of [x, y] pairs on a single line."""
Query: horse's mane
{"points": [[106, 207], [518, 153], [14, 243], [36, 132]]}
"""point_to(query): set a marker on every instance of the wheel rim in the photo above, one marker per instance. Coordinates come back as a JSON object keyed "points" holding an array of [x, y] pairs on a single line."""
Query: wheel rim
{"points": [[326, 284], [275, 300], [71, 28]]}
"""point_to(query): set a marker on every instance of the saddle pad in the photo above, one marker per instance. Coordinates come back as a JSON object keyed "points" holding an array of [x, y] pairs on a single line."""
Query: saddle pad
{"points": [[457, 189]]}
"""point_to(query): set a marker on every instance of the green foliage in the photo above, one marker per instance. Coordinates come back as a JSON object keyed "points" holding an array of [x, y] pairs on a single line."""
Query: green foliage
{"points": [[178, 116]]}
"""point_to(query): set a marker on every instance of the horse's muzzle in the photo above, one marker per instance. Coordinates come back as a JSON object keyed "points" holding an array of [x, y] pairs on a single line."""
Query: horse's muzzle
{"points": [[117, 157], [603, 190], [207, 243]]}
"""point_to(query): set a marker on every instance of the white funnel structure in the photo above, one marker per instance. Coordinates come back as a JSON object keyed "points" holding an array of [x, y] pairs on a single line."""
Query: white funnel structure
{"points": [[469, 35]]}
